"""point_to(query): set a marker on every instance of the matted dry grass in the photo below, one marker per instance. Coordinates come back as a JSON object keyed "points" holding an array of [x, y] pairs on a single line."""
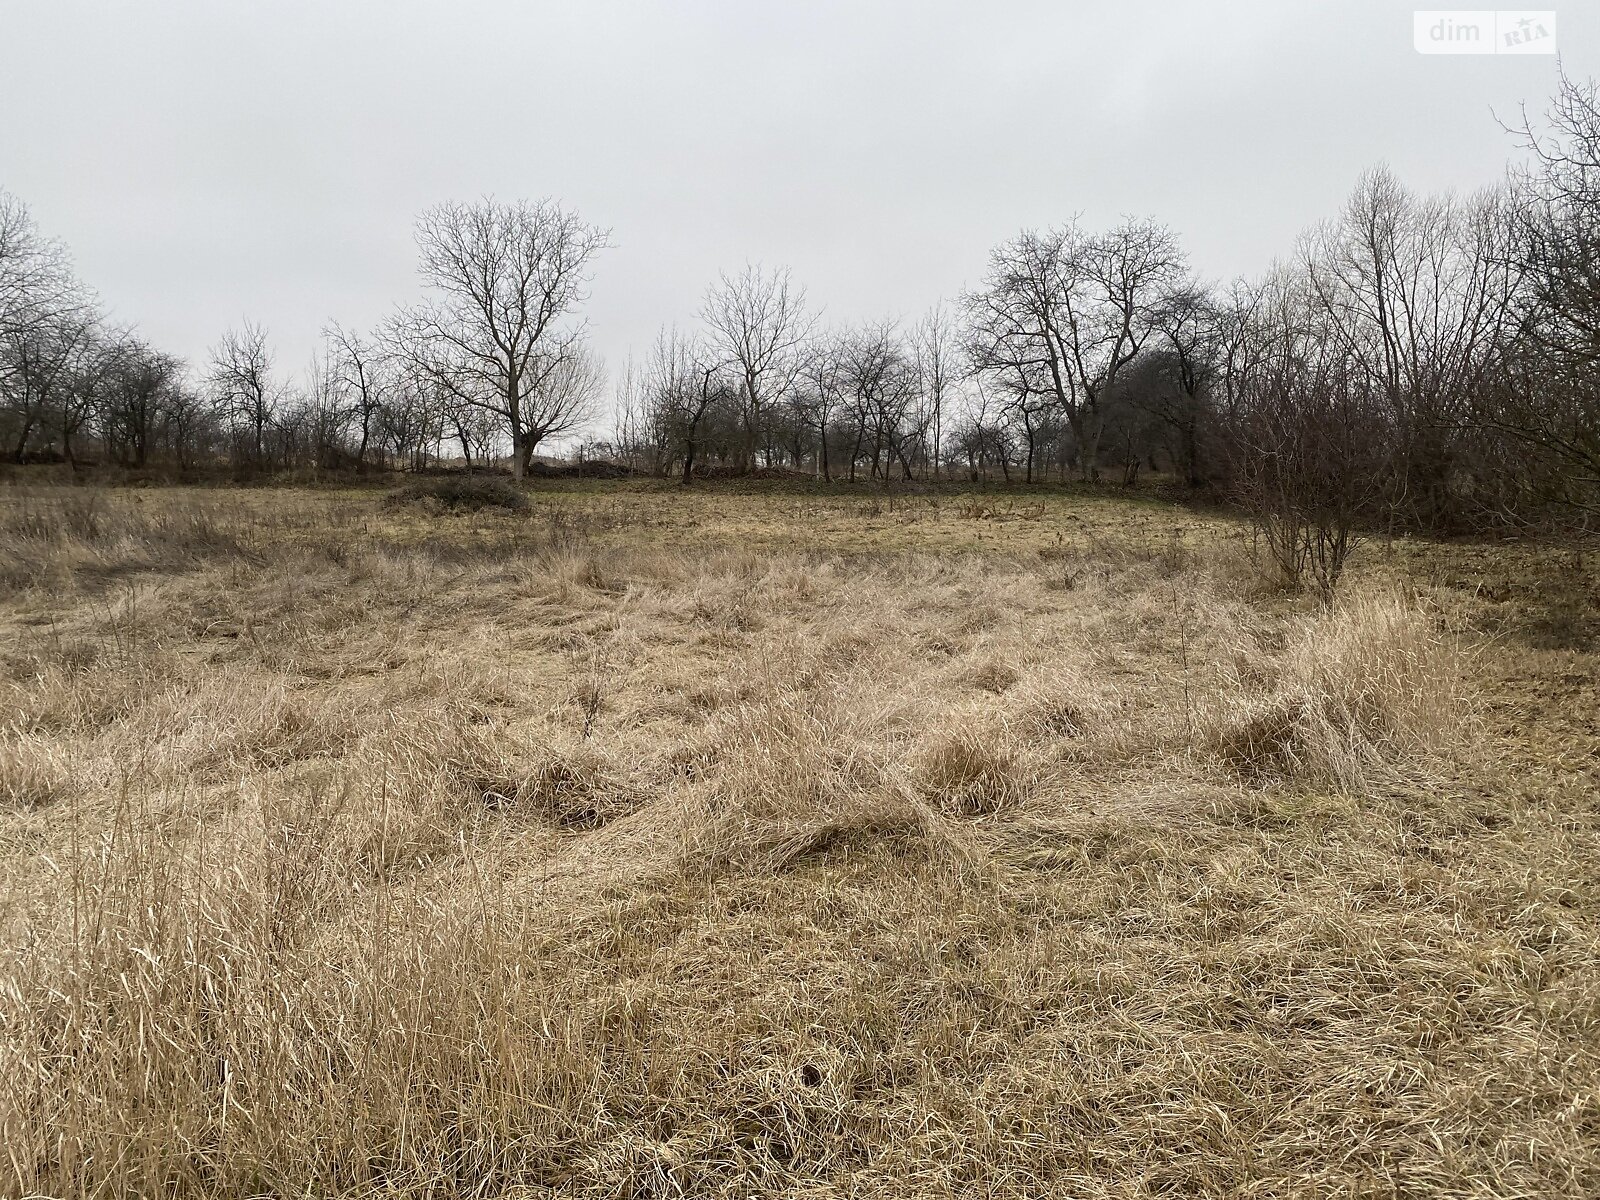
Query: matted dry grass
{"points": [[348, 853]]}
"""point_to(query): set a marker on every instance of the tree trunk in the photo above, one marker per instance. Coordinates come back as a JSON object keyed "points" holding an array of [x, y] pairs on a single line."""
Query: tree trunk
{"points": [[1089, 447], [905, 464], [530, 444]]}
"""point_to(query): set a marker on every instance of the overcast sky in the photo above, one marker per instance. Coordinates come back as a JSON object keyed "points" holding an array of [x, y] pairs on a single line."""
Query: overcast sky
{"points": [[219, 159]]}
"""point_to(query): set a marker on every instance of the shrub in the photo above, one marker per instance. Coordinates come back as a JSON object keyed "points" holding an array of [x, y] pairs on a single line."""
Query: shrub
{"points": [[463, 493]]}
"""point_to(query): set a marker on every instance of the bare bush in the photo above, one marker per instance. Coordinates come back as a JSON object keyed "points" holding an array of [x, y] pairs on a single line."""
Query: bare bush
{"points": [[464, 494]]}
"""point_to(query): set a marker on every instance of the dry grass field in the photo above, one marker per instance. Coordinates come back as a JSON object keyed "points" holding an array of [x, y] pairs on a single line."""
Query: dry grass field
{"points": [[737, 842]]}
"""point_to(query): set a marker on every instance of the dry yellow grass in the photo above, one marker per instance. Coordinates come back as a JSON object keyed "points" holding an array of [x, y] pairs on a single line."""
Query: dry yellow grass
{"points": [[660, 844]]}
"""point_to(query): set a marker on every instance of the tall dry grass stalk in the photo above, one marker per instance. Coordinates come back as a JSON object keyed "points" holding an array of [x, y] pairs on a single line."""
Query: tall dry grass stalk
{"points": [[1363, 685]]}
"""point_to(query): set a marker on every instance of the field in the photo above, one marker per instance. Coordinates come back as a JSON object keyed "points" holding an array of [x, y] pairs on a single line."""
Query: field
{"points": [[743, 841]]}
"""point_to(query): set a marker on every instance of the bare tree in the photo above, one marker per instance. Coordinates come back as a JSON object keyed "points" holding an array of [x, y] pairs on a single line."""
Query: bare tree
{"points": [[1308, 438], [475, 429], [48, 322], [244, 388], [1550, 396], [412, 421], [820, 397], [43, 360], [1309, 449], [92, 371], [563, 400], [982, 436], [187, 422], [935, 345], [1129, 274], [685, 382], [36, 280], [140, 387], [363, 375], [1061, 314], [758, 324], [496, 334], [1019, 328], [1028, 414], [1420, 294], [876, 372], [1189, 363]]}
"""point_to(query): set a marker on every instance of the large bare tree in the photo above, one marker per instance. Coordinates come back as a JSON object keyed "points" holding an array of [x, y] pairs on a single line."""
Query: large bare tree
{"points": [[1062, 313], [1550, 396], [498, 330]]}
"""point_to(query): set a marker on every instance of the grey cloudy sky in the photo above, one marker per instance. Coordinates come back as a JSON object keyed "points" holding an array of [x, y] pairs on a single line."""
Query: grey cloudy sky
{"points": [[216, 159]]}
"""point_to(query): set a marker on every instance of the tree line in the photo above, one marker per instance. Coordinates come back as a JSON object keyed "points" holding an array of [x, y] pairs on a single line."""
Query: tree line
{"points": [[1422, 361], [492, 360], [1426, 362]]}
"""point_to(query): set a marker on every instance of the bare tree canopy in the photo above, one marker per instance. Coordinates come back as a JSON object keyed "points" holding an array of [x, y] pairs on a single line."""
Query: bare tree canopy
{"points": [[36, 279], [245, 388], [1062, 313], [361, 374], [497, 331], [758, 322], [1552, 398]]}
